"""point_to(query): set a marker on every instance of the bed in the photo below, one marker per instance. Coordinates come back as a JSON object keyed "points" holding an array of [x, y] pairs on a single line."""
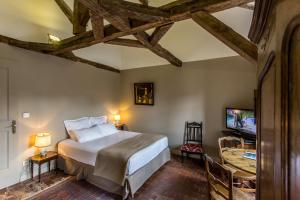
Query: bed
{"points": [[81, 160]]}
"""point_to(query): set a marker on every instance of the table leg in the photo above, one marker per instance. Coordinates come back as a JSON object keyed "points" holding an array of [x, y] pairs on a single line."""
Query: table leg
{"points": [[49, 165], [39, 172], [55, 161], [31, 167]]}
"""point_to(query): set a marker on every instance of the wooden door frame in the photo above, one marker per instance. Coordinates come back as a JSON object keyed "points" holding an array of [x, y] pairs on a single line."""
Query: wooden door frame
{"points": [[262, 75], [285, 103]]}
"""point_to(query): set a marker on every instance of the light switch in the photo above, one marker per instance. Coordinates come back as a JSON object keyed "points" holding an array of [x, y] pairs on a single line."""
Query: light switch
{"points": [[26, 115]]}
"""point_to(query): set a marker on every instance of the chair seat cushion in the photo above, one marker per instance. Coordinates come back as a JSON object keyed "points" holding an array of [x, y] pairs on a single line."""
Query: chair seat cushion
{"points": [[193, 148]]}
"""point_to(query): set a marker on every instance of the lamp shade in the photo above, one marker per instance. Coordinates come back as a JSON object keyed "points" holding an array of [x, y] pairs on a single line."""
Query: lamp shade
{"points": [[42, 140], [117, 117]]}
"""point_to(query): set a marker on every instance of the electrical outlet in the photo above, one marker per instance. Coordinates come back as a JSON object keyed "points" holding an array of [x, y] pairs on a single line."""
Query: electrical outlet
{"points": [[25, 163]]}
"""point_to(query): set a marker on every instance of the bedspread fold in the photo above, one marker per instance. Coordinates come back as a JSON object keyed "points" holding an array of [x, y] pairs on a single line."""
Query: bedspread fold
{"points": [[112, 161]]}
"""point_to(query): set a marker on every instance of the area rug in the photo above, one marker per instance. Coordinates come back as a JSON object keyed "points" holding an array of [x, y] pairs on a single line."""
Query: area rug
{"points": [[30, 188]]}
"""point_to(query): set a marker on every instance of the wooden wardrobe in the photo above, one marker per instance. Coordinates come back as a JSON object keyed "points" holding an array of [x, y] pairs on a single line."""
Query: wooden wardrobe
{"points": [[276, 30]]}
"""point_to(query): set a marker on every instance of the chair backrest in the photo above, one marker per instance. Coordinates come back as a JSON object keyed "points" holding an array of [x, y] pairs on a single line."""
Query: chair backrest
{"points": [[193, 133], [220, 181], [229, 142]]}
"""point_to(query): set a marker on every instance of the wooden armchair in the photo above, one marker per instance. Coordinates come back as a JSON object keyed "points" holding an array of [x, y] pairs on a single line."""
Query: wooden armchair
{"points": [[192, 141], [220, 183], [242, 176], [229, 142]]}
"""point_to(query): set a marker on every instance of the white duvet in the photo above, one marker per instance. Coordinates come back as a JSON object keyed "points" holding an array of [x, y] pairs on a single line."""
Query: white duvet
{"points": [[87, 152]]}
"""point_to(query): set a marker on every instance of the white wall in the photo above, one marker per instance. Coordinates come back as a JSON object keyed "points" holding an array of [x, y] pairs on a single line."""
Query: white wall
{"points": [[198, 91], [52, 90]]}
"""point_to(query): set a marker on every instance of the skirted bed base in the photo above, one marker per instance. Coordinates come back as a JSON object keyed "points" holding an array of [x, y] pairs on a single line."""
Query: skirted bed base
{"points": [[133, 182]]}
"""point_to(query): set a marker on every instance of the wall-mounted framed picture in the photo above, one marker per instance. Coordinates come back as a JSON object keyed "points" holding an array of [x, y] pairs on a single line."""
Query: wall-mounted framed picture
{"points": [[144, 94]]}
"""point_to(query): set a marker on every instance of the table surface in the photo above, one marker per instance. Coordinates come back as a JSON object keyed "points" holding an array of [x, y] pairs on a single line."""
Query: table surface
{"points": [[235, 158], [50, 155]]}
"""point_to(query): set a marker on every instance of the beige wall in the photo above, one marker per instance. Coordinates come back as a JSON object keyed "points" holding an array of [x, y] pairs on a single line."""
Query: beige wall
{"points": [[198, 91], [52, 90]]}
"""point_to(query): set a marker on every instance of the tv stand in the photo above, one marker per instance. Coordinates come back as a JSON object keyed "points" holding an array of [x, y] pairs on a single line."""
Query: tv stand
{"points": [[248, 140]]}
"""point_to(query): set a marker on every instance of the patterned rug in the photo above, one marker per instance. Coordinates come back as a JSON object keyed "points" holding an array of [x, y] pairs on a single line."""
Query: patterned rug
{"points": [[174, 181], [30, 188]]}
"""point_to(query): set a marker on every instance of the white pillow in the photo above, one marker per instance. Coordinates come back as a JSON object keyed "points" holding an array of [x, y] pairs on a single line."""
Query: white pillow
{"points": [[107, 129], [98, 120], [86, 134], [77, 124]]}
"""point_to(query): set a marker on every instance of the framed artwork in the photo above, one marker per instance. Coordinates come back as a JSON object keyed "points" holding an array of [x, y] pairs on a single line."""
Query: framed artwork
{"points": [[144, 94]]}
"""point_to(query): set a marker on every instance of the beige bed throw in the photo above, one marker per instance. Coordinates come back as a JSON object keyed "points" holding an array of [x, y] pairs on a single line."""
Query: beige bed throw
{"points": [[111, 162]]}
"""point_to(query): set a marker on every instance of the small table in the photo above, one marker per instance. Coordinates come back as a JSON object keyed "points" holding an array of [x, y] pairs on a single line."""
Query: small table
{"points": [[122, 127], [37, 159], [235, 158]]}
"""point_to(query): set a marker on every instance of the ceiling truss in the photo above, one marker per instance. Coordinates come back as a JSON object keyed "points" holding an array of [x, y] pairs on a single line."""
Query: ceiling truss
{"points": [[127, 18]]}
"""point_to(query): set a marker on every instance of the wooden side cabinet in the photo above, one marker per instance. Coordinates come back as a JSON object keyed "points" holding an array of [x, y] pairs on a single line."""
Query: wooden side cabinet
{"points": [[37, 159]]}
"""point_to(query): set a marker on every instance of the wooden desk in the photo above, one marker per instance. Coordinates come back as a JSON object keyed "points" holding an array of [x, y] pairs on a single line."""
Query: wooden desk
{"points": [[37, 159], [235, 158]]}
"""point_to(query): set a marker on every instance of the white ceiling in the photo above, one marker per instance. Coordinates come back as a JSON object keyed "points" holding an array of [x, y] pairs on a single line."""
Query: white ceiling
{"points": [[32, 20]]}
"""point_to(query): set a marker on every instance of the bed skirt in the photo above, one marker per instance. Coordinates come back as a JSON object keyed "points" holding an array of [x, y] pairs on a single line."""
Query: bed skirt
{"points": [[133, 182]]}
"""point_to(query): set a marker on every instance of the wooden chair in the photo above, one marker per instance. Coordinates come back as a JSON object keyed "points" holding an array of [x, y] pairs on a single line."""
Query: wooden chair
{"points": [[242, 176], [229, 142], [220, 183], [192, 141]]}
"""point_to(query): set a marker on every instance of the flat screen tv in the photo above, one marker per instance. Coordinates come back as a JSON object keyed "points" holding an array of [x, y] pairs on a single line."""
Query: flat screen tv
{"points": [[241, 120]]}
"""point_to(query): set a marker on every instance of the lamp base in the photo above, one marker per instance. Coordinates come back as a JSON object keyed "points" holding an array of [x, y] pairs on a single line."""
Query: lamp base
{"points": [[117, 122], [43, 153]]}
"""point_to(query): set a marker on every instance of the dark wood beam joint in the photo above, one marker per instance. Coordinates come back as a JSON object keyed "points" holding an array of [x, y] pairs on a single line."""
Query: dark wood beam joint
{"points": [[158, 33]]}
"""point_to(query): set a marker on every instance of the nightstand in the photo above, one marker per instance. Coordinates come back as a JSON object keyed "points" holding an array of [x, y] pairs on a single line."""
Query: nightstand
{"points": [[37, 159], [122, 127]]}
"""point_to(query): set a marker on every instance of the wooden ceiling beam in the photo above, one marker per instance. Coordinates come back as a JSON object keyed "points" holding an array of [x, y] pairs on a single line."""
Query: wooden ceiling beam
{"points": [[97, 25], [85, 16], [210, 6], [126, 42], [78, 14], [72, 57], [143, 37], [175, 4], [47, 48], [135, 11], [66, 9], [158, 33], [227, 35], [33, 46], [122, 24], [116, 21], [87, 39]]}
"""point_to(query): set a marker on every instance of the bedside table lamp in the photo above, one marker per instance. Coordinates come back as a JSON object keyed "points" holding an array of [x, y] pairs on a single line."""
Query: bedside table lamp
{"points": [[117, 119], [42, 140]]}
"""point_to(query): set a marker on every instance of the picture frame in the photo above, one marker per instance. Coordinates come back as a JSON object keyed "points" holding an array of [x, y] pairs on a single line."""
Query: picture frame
{"points": [[144, 94]]}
